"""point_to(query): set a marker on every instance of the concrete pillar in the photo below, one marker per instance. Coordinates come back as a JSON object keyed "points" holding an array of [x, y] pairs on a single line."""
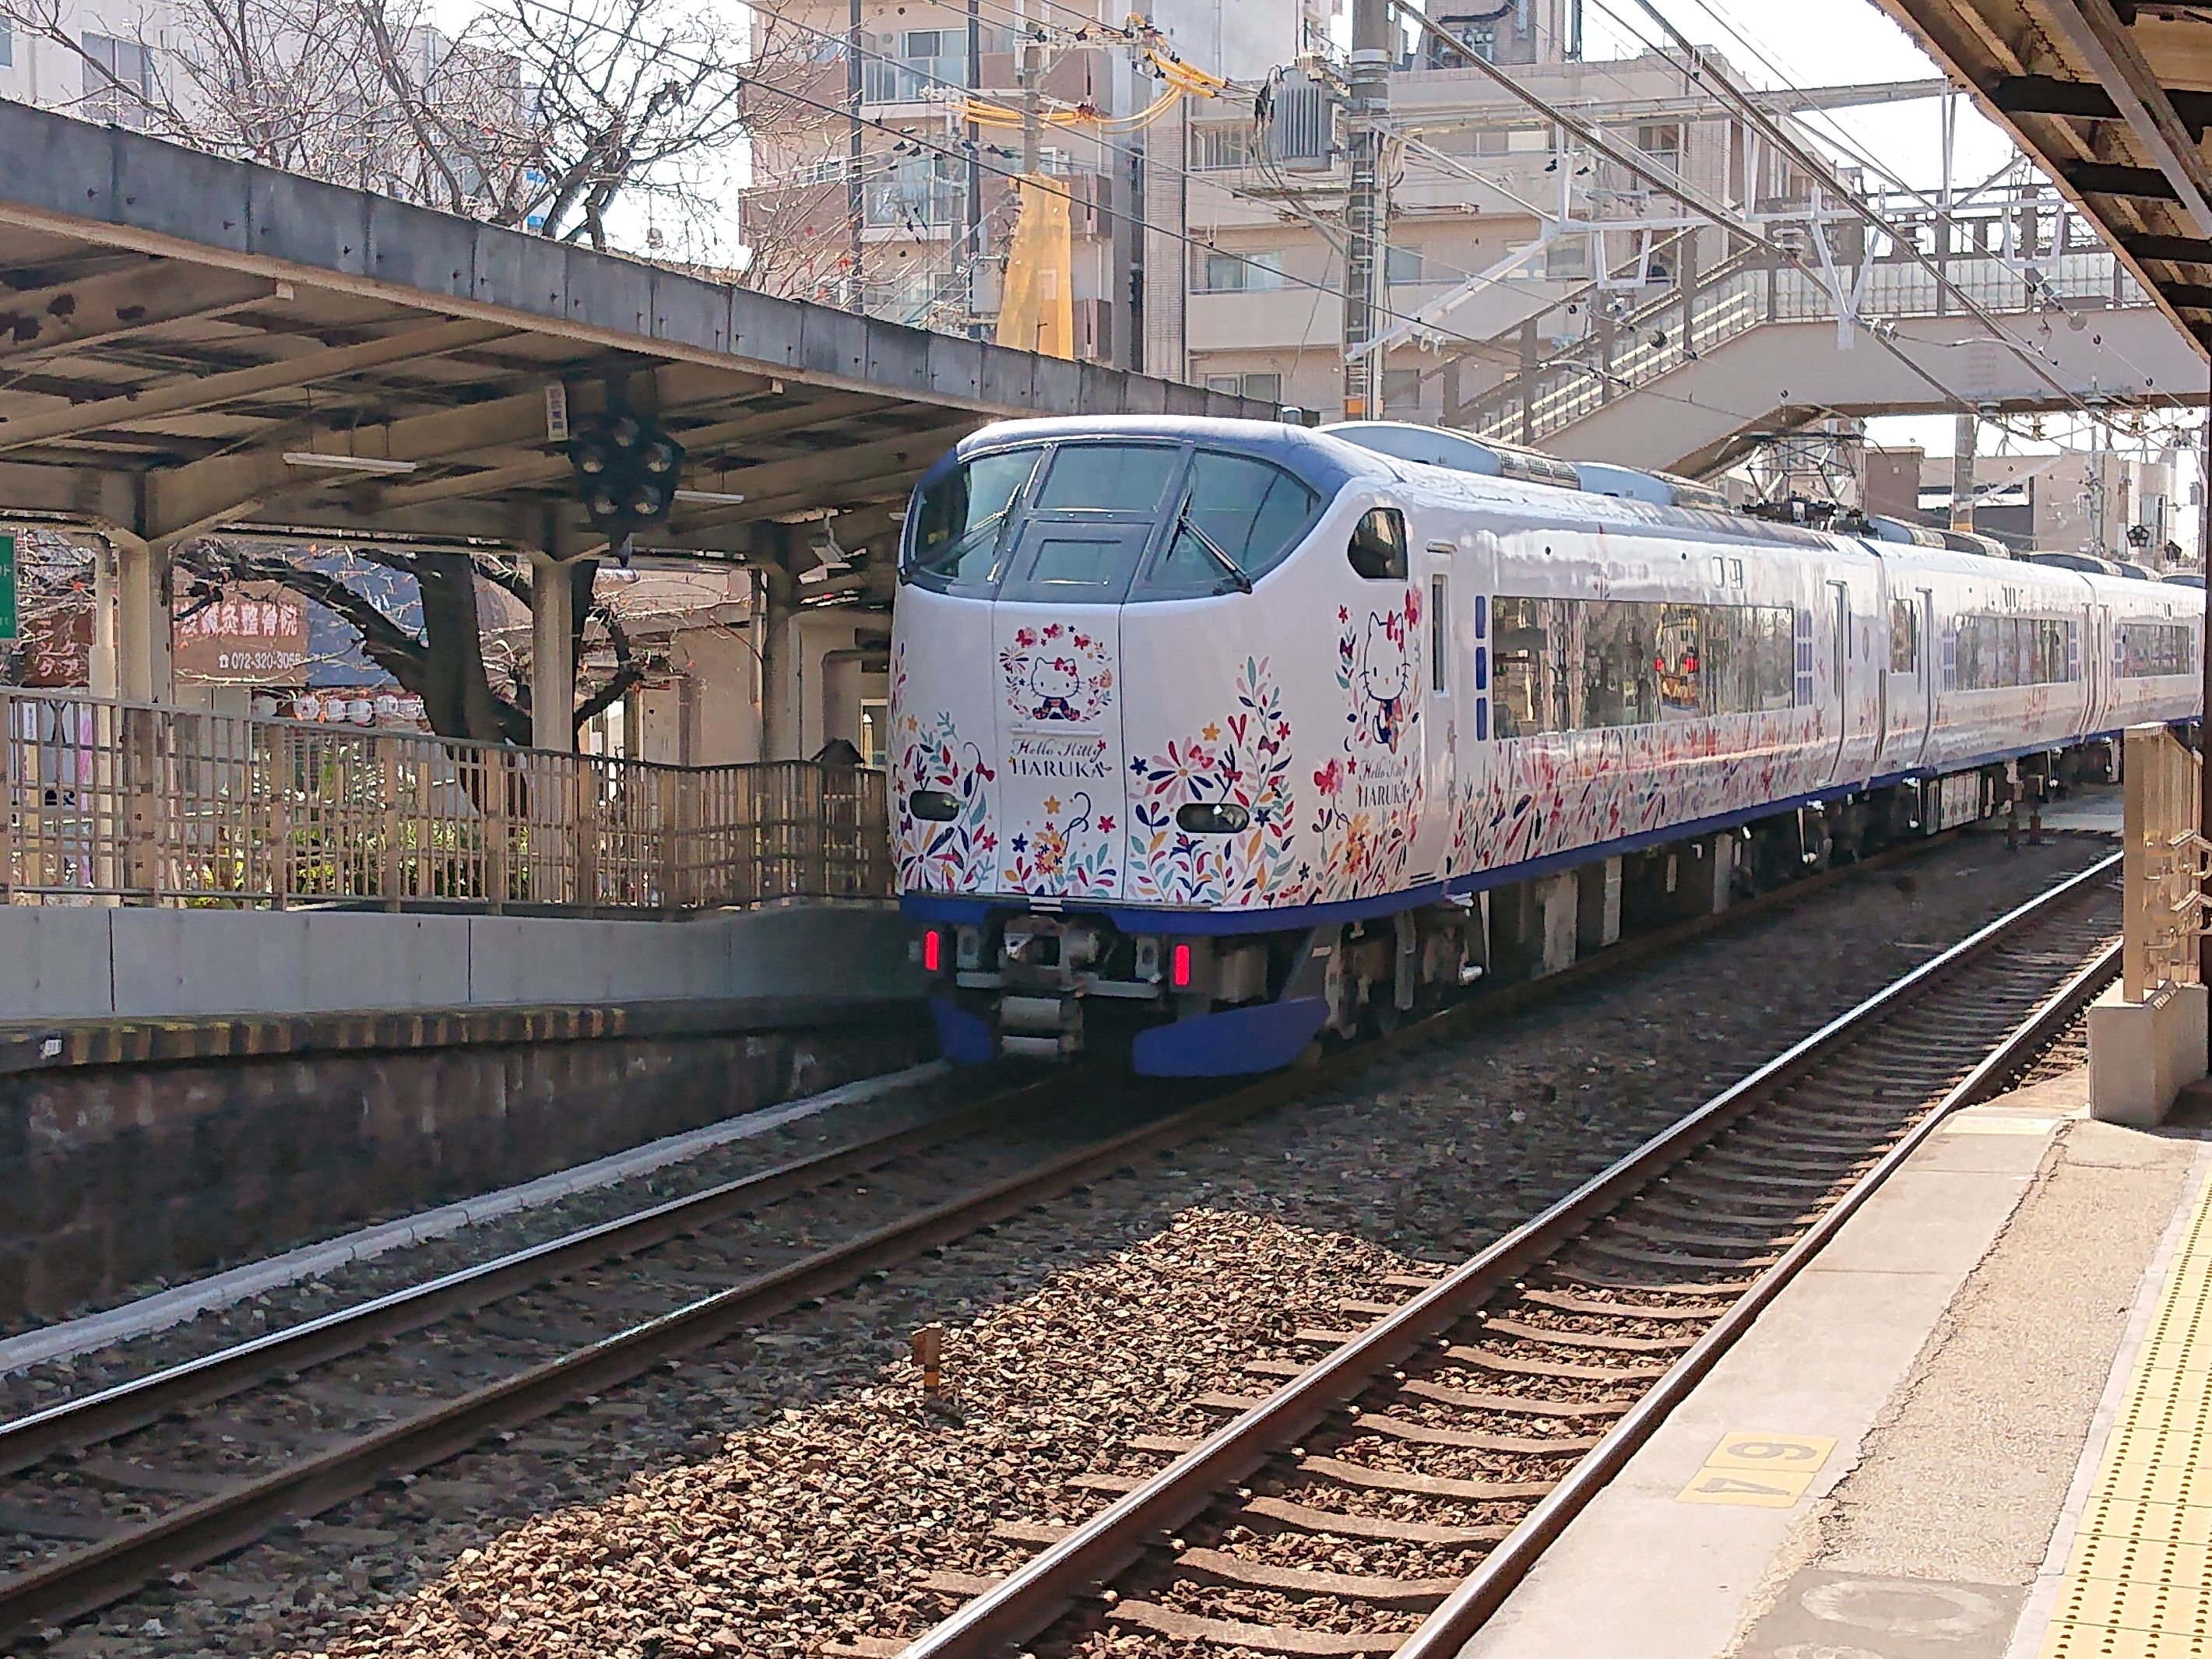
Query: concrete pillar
{"points": [[552, 656], [782, 690], [131, 642], [1597, 906]]}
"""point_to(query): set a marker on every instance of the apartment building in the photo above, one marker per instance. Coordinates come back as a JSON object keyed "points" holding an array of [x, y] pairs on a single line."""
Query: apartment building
{"points": [[1507, 236], [85, 57], [872, 190]]}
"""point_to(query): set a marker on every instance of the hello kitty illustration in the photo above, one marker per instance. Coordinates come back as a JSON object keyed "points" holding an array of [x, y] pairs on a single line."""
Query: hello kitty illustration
{"points": [[1054, 684], [1386, 677]]}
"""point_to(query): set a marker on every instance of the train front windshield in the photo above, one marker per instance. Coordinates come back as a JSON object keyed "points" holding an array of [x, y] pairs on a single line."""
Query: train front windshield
{"points": [[1093, 521]]}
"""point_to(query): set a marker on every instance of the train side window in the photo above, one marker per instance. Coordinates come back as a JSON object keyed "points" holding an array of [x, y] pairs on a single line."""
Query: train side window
{"points": [[1378, 544], [1904, 637]]}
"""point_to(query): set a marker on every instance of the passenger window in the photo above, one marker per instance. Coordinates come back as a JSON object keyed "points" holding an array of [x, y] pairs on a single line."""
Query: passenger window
{"points": [[1378, 545], [1904, 636], [1109, 478]]}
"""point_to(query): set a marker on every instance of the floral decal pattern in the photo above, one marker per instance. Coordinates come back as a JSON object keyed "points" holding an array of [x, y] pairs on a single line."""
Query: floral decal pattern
{"points": [[958, 856], [1057, 672], [1547, 794], [1072, 854], [1370, 796], [1243, 759]]}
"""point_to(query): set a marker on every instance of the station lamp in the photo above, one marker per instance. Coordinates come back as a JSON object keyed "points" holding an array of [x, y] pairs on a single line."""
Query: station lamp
{"points": [[627, 468]]}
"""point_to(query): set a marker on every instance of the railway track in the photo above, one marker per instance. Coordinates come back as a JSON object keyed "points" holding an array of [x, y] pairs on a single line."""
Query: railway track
{"points": [[106, 1493], [1384, 1499]]}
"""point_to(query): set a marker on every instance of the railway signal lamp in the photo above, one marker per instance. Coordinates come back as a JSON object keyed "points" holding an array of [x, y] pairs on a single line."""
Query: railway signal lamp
{"points": [[627, 466]]}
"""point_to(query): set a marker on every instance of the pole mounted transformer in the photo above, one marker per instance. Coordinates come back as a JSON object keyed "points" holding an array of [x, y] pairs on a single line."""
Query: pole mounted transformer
{"points": [[1366, 208]]}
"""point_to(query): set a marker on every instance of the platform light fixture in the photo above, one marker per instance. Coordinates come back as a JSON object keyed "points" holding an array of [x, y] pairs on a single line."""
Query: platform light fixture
{"points": [[376, 463]]}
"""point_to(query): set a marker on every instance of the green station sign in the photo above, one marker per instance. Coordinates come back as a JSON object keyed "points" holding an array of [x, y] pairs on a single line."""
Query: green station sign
{"points": [[7, 586]]}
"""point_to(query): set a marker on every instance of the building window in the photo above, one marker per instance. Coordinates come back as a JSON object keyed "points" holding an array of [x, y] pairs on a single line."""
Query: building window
{"points": [[1662, 142], [118, 80], [1567, 257], [1479, 38], [1403, 264], [1401, 391], [904, 67], [7, 43], [1264, 388], [921, 193], [1219, 146], [1239, 273]]}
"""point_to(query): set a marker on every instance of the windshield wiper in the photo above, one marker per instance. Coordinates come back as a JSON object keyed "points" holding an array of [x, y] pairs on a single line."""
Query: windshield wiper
{"points": [[1243, 582]]}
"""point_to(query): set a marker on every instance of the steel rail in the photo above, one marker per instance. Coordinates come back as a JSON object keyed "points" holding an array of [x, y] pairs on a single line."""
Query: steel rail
{"points": [[91, 1418], [1037, 1594], [1457, 1618], [85, 1579]]}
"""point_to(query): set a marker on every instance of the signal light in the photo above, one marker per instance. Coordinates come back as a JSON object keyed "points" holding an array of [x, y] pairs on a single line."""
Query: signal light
{"points": [[626, 469], [1179, 968], [932, 952]]}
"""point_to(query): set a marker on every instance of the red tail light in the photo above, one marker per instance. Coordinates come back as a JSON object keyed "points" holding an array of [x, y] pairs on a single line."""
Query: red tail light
{"points": [[932, 952], [1179, 968]]}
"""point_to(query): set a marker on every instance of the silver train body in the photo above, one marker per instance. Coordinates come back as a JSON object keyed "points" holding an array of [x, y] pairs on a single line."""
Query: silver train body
{"points": [[1210, 737]]}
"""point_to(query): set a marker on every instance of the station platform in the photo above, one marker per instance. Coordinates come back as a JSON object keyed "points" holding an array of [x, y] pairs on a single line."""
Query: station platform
{"points": [[1976, 1427]]}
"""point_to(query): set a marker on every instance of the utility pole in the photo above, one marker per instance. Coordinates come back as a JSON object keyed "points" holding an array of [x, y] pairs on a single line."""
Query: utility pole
{"points": [[1366, 212], [856, 199], [973, 204], [1964, 432], [1029, 60]]}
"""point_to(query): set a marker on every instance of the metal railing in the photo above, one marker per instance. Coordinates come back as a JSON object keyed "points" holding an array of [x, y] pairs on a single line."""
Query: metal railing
{"points": [[2162, 871], [1752, 288], [103, 801]]}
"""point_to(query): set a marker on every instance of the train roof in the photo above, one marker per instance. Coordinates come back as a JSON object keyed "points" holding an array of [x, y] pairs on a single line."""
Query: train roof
{"points": [[1334, 462]]}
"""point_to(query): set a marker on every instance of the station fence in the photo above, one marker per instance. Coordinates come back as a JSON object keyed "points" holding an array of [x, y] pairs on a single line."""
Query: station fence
{"points": [[115, 802], [2163, 865]]}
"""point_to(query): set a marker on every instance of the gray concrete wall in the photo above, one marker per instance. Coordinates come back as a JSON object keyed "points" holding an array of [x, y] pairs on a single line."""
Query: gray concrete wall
{"points": [[71, 963]]}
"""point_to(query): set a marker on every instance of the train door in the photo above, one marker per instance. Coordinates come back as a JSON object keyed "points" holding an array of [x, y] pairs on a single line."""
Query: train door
{"points": [[1901, 668], [2097, 671], [1925, 608], [1433, 578], [1839, 678], [1856, 656]]}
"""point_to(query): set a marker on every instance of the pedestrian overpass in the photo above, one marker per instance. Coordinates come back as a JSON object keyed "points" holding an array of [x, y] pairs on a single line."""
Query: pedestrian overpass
{"points": [[1754, 347]]}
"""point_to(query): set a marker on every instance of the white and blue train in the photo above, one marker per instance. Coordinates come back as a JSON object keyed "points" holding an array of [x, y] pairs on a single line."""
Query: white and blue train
{"points": [[1210, 737]]}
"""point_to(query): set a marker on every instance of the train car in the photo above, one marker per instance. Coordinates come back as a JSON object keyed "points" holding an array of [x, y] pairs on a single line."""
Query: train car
{"points": [[1210, 738]]}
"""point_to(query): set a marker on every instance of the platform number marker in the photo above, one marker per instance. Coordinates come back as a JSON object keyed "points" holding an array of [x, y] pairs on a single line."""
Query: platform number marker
{"points": [[1761, 1469]]}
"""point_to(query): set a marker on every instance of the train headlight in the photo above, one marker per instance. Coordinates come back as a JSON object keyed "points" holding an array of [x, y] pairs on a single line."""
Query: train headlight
{"points": [[938, 805], [1213, 818]]}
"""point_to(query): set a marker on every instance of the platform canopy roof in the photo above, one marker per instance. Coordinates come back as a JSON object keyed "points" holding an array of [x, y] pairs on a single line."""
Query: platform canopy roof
{"points": [[2112, 97], [187, 341]]}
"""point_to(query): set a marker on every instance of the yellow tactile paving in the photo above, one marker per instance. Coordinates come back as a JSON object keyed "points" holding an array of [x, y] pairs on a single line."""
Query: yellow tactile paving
{"points": [[2139, 1582]]}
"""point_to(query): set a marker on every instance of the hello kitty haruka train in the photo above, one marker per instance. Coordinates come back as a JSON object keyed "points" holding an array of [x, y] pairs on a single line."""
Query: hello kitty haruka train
{"points": [[1211, 736]]}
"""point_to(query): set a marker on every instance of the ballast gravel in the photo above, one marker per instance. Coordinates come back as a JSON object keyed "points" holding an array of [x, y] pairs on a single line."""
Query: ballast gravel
{"points": [[789, 1490]]}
